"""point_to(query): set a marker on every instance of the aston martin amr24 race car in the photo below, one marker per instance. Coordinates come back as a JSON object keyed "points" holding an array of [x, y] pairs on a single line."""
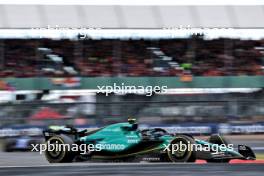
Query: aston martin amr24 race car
{"points": [[125, 142]]}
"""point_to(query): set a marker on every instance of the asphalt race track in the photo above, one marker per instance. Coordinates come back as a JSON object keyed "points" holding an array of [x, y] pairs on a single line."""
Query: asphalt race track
{"points": [[32, 163], [138, 169]]}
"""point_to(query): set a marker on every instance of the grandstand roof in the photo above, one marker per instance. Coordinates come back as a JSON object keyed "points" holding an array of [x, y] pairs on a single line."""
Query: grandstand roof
{"points": [[124, 16]]}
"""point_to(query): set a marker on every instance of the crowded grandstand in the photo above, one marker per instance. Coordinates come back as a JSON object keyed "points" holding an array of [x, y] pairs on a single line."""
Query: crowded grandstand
{"points": [[193, 55]]}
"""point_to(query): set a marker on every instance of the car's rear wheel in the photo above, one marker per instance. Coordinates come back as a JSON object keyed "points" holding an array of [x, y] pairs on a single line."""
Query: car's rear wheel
{"points": [[8, 145], [59, 154], [182, 154]]}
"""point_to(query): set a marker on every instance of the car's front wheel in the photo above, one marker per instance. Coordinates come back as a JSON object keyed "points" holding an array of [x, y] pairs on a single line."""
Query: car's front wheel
{"points": [[60, 150], [180, 150]]}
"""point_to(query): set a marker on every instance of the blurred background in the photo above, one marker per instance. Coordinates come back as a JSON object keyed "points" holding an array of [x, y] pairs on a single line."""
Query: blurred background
{"points": [[215, 83], [51, 76]]}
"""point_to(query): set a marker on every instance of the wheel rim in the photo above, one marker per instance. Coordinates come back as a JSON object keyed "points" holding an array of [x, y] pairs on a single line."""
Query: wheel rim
{"points": [[179, 153], [56, 152]]}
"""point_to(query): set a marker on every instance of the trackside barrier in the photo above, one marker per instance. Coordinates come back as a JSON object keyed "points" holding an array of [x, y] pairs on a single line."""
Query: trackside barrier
{"points": [[194, 129]]}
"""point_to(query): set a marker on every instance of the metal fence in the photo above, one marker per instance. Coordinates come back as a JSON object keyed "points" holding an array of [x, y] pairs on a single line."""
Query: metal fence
{"points": [[156, 110]]}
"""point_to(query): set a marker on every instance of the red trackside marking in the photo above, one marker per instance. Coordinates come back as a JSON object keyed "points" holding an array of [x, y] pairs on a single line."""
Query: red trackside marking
{"points": [[237, 161], [200, 161]]}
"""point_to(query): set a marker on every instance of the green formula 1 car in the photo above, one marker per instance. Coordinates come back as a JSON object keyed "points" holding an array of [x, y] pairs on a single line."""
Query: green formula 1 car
{"points": [[125, 142]]}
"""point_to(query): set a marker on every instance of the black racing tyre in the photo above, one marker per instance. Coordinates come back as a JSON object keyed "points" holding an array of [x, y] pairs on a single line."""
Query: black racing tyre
{"points": [[60, 156], [8, 145], [187, 155]]}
